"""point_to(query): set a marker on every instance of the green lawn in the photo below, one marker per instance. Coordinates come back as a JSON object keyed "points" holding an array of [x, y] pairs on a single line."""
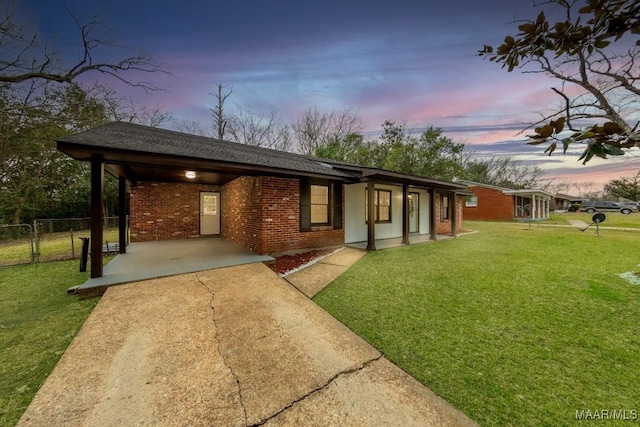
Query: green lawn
{"points": [[52, 246], [37, 322], [515, 327], [613, 219]]}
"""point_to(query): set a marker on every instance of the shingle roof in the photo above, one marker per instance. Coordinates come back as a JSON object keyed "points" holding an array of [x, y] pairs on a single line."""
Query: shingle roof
{"points": [[137, 138], [120, 141]]}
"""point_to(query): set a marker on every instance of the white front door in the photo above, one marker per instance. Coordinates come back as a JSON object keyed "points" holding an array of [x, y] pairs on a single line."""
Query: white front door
{"points": [[414, 212], [209, 213]]}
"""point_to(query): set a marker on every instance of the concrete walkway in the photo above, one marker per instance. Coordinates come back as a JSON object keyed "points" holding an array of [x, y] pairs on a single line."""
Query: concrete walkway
{"points": [[316, 277], [578, 223], [235, 346]]}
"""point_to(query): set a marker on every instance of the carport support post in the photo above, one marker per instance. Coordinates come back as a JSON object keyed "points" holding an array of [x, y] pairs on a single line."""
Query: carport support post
{"points": [[405, 214], [454, 214], [371, 217], [122, 215], [97, 193], [432, 215]]}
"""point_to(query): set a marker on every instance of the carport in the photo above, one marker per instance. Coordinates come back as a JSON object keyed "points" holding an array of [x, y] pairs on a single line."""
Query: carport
{"points": [[150, 260]]}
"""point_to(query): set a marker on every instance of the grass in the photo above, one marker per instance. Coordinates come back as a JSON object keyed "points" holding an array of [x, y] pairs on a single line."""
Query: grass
{"points": [[613, 219], [37, 322], [53, 246], [514, 327]]}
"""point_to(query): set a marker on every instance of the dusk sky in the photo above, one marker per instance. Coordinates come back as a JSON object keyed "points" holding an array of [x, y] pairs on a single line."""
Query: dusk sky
{"points": [[401, 60]]}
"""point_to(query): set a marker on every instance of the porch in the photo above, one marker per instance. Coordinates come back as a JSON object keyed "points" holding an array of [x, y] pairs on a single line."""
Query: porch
{"points": [[150, 260], [397, 241]]}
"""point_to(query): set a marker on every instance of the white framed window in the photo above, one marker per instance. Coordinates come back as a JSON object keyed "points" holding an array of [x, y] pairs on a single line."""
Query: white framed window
{"points": [[382, 205], [319, 204]]}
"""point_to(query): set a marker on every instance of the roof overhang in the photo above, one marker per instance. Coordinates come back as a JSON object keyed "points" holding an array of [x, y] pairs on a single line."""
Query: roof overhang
{"points": [[391, 177], [138, 166], [528, 193]]}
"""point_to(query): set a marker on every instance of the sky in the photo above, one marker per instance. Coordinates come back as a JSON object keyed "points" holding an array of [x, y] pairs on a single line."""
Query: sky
{"points": [[412, 61]]}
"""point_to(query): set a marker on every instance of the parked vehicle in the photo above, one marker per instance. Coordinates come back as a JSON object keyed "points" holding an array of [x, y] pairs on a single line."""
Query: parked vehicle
{"points": [[635, 205], [592, 206]]}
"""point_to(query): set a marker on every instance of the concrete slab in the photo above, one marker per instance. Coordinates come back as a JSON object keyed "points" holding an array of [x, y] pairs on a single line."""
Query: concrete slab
{"points": [[578, 223], [234, 346], [396, 242], [150, 260], [360, 398], [345, 257], [147, 355], [318, 276], [315, 278]]}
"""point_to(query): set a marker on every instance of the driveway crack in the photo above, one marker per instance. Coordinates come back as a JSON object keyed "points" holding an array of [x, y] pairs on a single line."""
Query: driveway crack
{"points": [[318, 389], [224, 359]]}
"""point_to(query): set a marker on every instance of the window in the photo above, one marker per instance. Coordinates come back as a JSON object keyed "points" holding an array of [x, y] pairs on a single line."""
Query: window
{"points": [[382, 203], [444, 207], [210, 204], [471, 201], [319, 204]]}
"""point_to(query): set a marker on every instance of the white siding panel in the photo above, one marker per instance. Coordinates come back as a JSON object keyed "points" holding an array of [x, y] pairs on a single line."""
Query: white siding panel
{"points": [[355, 224], [355, 229], [424, 211]]}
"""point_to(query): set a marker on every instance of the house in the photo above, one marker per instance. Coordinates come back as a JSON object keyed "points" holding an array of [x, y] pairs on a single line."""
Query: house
{"points": [[496, 203], [562, 202], [271, 202]]}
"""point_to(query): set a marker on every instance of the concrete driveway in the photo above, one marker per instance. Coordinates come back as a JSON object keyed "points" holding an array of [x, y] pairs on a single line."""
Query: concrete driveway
{"points": [[234, 346]]}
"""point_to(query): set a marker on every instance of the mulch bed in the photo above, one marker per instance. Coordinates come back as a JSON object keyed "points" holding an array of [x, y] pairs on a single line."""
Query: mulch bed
{"points": [[287, 263]]}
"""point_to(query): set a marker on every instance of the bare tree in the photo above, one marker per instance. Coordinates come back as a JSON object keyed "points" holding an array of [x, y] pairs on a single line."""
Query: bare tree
{"points": [[219, 120], [189, 126], [315, 129], [123, 109], [586, 190], [555, 187], [501, 171], [24, 58], [259, 130]]}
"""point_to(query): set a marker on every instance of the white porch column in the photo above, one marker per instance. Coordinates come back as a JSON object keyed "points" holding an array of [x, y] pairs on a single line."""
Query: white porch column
{"points": [[548, 208], [534, 207]]}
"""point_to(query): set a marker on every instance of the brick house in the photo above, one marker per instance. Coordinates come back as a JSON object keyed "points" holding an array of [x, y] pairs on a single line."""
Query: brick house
{"points": [[489, 202], [271, 202]]}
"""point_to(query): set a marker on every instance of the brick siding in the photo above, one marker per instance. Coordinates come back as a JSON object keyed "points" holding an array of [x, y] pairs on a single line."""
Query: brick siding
{"points": [[259, 213], [241, 212], [281, 220], [165, 211], [493, 204], [444, 227], [263, 214]]}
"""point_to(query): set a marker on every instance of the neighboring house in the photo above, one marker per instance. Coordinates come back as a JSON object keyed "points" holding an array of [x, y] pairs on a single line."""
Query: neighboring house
{"points": [[268, 201], [562, 202], [496, 203]]}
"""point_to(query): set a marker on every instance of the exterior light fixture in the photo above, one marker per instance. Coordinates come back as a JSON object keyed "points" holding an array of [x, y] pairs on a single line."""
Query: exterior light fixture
{"points": [[190, 174]]}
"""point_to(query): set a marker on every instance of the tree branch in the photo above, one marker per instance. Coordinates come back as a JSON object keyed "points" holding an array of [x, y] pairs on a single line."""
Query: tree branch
{"points": [[24, 65]]}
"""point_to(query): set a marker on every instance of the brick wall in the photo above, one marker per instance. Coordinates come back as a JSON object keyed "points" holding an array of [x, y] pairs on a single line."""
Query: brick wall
{"points": [[281, 220], [165, 211], [492, 205], [242, 213], [263, 214], [444, 227]]}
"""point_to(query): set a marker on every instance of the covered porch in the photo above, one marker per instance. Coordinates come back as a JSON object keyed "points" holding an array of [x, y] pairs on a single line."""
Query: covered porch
{"points": [[406, 209], [530, 204], [150, 260], [398, 241]]}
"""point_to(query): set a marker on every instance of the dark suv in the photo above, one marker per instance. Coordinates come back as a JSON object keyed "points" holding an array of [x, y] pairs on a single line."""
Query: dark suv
{"points": [[592, 206]]}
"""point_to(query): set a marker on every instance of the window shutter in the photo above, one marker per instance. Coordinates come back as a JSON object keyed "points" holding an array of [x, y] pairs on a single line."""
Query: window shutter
{"points": [[337, 205], [305, 205]]}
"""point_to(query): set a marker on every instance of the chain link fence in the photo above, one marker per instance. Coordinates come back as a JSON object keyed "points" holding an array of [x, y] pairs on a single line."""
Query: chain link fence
{"points": [[52, 240]]}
